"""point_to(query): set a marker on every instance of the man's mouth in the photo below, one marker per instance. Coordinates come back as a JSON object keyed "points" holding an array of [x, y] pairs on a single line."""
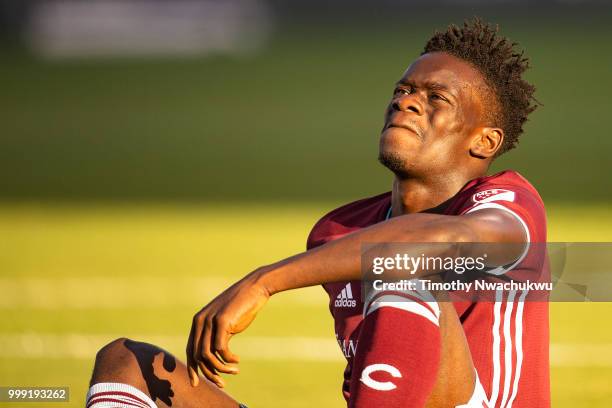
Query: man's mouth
{"points": [[404, 126]]}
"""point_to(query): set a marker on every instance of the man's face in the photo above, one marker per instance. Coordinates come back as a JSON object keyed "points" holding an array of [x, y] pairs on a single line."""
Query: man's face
{"points": [[435, 107]]}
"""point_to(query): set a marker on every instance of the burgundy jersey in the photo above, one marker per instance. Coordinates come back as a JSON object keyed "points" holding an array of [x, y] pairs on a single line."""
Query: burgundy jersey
{"points": [[508, 338]]}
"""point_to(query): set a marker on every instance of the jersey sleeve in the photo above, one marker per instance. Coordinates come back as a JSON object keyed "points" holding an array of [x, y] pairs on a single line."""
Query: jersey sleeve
{"points": [[526, 206]]}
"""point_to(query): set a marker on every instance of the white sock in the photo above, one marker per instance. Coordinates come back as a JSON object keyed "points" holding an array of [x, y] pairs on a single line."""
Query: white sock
{"points": [[117, 395]]}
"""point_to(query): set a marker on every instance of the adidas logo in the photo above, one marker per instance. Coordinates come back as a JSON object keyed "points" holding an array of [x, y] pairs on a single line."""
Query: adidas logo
{"points": [[345, 298]]}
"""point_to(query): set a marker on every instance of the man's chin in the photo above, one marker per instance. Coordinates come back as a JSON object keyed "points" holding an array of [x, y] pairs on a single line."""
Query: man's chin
{"points": [[394, 162]]}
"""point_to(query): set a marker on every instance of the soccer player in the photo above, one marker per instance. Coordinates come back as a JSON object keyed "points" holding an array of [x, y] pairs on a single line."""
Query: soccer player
{"points": [[461, 104]]}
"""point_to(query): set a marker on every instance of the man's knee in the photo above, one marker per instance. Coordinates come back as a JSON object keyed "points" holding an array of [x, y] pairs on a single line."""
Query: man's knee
{"points": [[125, 355], [136, 364], [115, 362], [112, 351]]}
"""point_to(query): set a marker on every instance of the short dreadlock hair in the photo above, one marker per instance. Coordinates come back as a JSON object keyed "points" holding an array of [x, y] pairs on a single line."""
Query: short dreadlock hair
{"points": [[502, 67]]}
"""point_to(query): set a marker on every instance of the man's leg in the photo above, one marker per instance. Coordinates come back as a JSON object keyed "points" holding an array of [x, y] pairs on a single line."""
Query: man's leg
{"points": [[412, 352], [135, 374], [456, 380]]}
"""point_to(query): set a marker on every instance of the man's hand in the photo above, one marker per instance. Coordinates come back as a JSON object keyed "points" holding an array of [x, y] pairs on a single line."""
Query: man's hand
{"points": [[229, 313]]}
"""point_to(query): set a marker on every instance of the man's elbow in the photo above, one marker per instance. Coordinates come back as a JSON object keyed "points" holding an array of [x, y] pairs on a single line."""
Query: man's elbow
{"points": [[456, 231]]}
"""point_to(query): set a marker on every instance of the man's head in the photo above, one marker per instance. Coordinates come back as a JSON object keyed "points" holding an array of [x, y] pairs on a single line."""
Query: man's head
{"points": [[459, 105]]}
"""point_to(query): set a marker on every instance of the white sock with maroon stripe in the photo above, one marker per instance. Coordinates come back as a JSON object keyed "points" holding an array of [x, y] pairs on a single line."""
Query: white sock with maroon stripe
{"points": [[117, 395]]}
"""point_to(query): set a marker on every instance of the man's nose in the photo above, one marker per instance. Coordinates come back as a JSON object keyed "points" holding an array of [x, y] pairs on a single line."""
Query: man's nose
{"points": [[406, 103]]}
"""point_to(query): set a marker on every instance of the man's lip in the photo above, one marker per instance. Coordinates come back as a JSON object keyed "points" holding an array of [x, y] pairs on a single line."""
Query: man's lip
{"points": [[399, 125]]}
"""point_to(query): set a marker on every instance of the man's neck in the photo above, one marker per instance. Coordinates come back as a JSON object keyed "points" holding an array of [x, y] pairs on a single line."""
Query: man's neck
{"points": [[411, 195]]}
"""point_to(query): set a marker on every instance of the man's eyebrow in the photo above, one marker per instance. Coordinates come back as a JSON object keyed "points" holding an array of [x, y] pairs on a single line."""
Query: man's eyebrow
{"points": [[435, 86], [440, 87]]}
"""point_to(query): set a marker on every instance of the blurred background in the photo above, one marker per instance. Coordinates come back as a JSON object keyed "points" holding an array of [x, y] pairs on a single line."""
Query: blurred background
{"points": [[151, 152]]}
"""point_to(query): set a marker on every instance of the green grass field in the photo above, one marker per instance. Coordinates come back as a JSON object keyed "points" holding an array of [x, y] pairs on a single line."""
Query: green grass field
{"points": [[75, 277]]}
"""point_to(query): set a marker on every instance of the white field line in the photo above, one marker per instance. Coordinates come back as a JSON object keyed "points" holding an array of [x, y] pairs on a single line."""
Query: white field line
{"points": [[581, 355], [117, 293], [84, 346]]}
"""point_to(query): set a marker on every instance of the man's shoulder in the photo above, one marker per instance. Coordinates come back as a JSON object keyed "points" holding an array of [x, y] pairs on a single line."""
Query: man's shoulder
{"points": [[349, 217], [507, 191], [508, 178], [506, 186]]}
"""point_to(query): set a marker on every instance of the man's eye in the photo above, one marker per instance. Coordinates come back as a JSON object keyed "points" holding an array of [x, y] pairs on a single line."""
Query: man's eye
{"points": [[436, 97], [402, 91]]}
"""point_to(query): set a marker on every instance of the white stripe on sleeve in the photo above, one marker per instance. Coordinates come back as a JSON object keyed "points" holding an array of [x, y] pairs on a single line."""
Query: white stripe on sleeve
{"points": [[400, 302], [500, 270]]}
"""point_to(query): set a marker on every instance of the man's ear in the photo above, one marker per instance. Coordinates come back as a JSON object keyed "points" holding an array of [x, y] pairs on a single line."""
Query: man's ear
{"points": [[486, 141]]}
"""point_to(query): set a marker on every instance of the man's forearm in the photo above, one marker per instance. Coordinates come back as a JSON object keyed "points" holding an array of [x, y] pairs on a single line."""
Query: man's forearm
{"points": [[340, 260]]}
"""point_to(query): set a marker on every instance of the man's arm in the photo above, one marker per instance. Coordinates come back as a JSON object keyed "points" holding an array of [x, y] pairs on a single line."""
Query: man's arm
{"points": [[234, 309]]}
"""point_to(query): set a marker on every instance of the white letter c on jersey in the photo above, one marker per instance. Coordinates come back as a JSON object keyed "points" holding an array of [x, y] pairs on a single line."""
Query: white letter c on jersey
{"points": [[378, 385]]}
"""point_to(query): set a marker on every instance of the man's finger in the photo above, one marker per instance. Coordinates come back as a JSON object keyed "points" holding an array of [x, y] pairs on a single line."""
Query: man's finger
{"points": [[211, 375], [207, 351], [192, 367], [193, 377], [222, 338], [197, 336]]}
